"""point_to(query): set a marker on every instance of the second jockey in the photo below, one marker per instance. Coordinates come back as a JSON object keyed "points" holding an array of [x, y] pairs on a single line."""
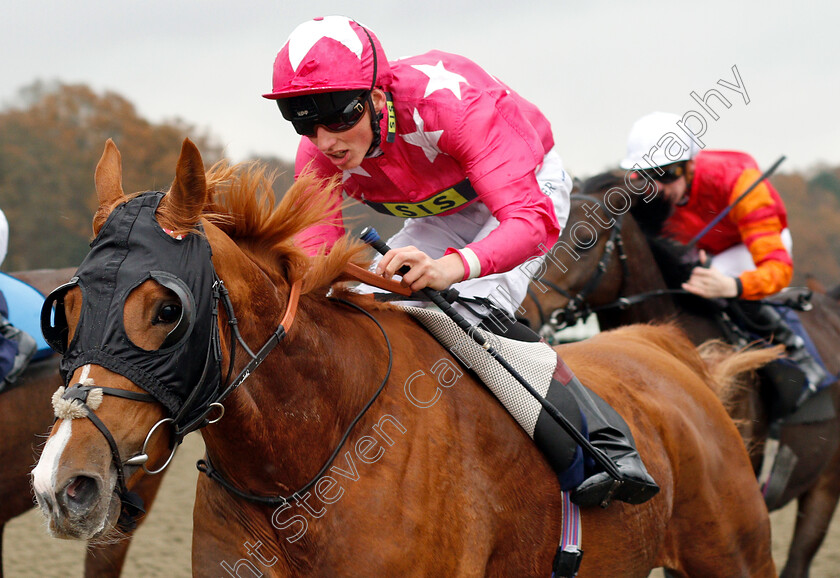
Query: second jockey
{"points": [[749, 249]]}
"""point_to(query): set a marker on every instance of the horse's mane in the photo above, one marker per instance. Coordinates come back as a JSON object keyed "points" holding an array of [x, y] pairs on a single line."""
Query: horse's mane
{"points": [[649, 212], [242, 203], [669, 338], [672, 260], [601, 183]]}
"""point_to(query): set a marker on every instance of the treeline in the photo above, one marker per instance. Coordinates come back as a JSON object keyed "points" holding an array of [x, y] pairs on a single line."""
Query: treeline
{"points": [[813, 204], [52, 136]]}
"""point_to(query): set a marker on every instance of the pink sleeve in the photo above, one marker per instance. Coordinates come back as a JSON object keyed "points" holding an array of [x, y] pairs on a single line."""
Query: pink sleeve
{"points": [[324, 235], [527, 220], [501, 166]]}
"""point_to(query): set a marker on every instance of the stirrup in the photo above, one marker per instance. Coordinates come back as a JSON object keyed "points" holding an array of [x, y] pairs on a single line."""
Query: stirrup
{"points": [[601, 489]]}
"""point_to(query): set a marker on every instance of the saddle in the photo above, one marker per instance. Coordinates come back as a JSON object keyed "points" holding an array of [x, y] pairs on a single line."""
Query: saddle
{"points": [[540, 365], [537, 362], [747, 322]]}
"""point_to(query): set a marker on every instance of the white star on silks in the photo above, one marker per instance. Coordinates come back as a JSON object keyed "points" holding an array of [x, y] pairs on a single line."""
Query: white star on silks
{"points": [[309, 33], [425, 140], [354, 171], [441, 79]]}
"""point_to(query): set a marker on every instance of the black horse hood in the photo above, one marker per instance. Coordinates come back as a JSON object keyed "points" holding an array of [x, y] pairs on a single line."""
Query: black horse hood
{"points": [[130, 249]]}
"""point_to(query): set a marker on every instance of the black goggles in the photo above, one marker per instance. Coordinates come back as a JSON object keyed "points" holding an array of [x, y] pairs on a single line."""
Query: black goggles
{"points": [[665, 175], [336, 111]]}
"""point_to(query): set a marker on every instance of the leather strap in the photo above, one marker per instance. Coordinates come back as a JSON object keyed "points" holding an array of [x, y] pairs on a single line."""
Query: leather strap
{"points": [[353, 272], [291, 307]]}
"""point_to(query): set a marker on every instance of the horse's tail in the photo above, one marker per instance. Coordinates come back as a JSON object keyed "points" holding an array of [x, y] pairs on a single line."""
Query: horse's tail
{"points": [[730, 367], [723, 368]]}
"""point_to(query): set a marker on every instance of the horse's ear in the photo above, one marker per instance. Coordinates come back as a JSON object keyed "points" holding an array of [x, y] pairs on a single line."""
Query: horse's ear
{"points": [[188, 195], [108, 179]]}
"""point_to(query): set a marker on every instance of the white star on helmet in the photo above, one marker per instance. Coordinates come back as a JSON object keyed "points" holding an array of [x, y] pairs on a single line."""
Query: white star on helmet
{"points": [[305, 36]]}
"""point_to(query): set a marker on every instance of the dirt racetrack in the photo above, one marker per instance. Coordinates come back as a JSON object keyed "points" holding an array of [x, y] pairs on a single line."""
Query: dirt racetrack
{"points": [[162, 545]]}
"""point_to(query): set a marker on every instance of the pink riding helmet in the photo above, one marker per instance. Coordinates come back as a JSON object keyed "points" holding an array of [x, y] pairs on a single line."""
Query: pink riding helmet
{"points": [[332, 53]]}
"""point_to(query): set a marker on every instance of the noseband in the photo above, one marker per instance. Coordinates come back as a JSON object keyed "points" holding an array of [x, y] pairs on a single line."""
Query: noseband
{"points": [[81, 401]]}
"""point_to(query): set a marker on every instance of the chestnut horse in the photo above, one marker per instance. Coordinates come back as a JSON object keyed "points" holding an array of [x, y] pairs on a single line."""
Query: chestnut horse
{"points": [[26, 419], [423, 480], [604, 256]]}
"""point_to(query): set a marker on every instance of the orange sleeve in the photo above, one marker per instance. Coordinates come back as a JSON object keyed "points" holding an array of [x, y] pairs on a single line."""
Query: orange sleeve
{"points": [[758, 222]]}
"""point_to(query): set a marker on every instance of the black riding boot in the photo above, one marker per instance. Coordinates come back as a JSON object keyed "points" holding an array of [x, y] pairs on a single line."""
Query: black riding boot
{"points": [[771, 325], [26, 348], [609, 433]]}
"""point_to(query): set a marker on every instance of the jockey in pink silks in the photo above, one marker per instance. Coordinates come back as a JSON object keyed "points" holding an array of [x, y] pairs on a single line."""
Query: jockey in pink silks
{"points": [[467, 162]]}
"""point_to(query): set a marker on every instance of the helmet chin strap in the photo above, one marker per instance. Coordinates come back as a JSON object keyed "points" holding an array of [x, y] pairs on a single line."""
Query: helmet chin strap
{"points": [[375, 121], [375, 117]]}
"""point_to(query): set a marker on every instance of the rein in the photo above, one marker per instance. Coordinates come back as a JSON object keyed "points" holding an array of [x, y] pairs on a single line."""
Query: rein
{"points": [[205, 466]]}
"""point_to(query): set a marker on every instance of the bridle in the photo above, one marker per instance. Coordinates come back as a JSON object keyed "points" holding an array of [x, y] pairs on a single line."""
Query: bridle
{"points": [[78, 394], [577, 307], [132, 504]]}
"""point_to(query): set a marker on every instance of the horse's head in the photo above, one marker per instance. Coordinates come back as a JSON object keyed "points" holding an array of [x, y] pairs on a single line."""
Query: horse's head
{"points": [[602, 254], [147, 325], [130, 325], [583, 268]]}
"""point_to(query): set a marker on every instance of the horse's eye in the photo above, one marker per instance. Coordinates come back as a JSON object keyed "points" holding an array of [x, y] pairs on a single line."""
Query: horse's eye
{"points": [[168, 313]]}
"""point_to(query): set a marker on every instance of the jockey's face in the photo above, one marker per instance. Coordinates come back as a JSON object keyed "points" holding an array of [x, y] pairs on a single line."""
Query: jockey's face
{"points": [[675, 192], [347, 149]]}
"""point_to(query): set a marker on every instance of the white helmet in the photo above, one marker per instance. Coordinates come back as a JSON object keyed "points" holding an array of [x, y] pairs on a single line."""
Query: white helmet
{"points": [[656, 131]]}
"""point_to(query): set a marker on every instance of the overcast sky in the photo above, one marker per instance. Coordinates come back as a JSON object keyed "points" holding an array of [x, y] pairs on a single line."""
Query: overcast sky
{"points": [[592, 67]]}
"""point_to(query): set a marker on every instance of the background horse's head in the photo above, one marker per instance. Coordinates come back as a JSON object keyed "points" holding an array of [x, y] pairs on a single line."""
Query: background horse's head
{"points": [[593, 262]]}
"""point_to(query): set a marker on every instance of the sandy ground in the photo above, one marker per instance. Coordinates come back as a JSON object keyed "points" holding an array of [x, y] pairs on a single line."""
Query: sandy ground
{"points": [[161, 547]]}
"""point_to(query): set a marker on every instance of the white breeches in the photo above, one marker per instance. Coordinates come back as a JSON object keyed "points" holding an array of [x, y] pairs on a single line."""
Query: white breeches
{"points": [[433, 235], [737, 259]]}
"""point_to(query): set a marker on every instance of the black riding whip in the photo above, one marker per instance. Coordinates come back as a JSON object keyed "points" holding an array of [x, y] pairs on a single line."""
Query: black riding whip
{"points": [[371, 237]]}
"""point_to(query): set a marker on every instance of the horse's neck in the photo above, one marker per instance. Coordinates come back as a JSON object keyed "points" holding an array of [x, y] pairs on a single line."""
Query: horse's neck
{"points": [[291, 411], [643, 276]]}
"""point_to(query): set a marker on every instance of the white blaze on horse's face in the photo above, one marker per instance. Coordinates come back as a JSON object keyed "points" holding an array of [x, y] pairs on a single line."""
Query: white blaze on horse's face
{"points": [[70, 495], [43, 476]]}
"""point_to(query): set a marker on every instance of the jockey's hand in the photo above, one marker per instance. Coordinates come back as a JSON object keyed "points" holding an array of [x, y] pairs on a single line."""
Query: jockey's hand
{"points": [[423, 271], [709, 282]]}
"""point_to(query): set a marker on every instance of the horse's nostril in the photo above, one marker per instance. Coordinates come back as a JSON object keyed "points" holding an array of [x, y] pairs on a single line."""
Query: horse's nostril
{"points": [[80, 493]]}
